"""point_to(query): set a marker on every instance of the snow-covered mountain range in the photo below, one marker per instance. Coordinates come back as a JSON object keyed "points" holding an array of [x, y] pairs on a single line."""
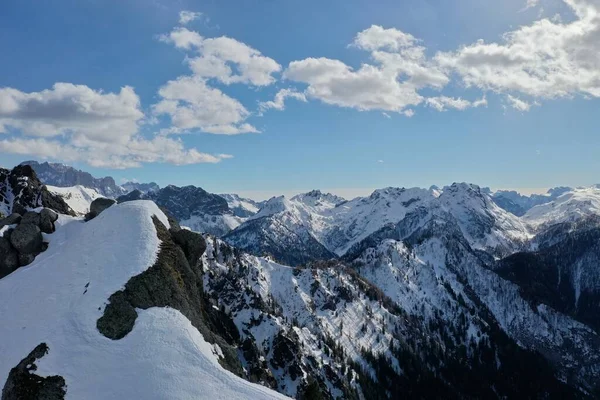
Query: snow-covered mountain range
{"points": [[419, 293]]}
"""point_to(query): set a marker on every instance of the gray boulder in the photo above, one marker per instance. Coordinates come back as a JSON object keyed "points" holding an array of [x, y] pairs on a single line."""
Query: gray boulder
{"points": [[31, 217], [47, 219], [13, 218], [99, 205], [27, 239], [25, 259], [9, 260]]}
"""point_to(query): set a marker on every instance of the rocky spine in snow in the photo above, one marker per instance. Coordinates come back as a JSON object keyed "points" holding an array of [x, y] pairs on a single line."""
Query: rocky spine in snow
{"points": [[175, 281]]}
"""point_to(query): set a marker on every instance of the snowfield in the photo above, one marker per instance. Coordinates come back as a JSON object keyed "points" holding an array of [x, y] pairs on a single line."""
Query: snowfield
{"points": [[59, 297], [77, 197]]}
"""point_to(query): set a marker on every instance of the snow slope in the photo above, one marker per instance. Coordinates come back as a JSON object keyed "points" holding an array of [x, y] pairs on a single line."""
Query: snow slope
{"points": [[59, 297], [569, 207], [77, 197]]}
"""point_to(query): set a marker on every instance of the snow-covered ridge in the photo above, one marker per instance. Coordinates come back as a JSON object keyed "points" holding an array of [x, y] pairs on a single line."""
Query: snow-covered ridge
{"points": [[569, 207], [59, 297]]}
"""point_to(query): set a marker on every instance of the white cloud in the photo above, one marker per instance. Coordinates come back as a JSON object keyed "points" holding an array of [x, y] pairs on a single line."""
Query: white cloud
{"points": [[224, 59], [74, 109], [546, 59], [376, 38], [400, 69], [75, 123], [443, 103], [531, 4], [185, 17], [192, 104], [518, 104], [278, 103], [182, 38]]}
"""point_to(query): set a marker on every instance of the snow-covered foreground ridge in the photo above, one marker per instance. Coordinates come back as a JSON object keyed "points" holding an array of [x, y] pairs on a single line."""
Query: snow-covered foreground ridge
{"points": [[58, 299]]}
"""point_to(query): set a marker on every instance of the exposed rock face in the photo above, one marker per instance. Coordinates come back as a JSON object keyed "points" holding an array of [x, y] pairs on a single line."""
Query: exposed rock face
{"points": [[13, 218], [20, 190], [23, 384], [175, 280], [27, 238], [9, 258], [31, 217], [47, 219], [99, 205], [20, 245], [192, 206]]}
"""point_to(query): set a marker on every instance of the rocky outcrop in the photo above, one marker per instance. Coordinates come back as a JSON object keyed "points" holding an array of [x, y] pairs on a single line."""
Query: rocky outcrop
{"points": [[20, 245], [21, 190], [175, 280], [23, 384], [97, 206], [9, 257], [27, 238]]}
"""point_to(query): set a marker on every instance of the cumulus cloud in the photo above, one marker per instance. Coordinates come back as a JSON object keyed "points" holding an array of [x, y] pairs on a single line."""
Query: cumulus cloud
{"points": [[443, 103], [182, 38], [400, 68], [278, 103], [546, 59], [225, 59], [191, 104], [76, 123], [185, 17], [518, 104], [74, 109]]}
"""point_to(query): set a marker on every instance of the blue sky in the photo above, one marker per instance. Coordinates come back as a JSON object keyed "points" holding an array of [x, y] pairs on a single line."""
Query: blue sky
{"points": [[509, 111]]}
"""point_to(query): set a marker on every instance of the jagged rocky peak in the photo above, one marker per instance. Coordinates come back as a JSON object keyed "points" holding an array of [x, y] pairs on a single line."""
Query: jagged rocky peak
{"points": [[21, 190], [65, 176], [183, 202]]}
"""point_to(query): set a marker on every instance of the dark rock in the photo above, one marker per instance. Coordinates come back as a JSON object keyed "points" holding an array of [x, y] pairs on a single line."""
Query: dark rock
{"points": [[171, 218], [119, 317], [18, 209], [13, 218], [9, 260], [31, 217], [23, 384], [26, 259], [47, 218], [131, 196], [27, 239], [50, 214], [55, 202], [21, 190], [192, 243], [7, 233], [99, 205]]}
